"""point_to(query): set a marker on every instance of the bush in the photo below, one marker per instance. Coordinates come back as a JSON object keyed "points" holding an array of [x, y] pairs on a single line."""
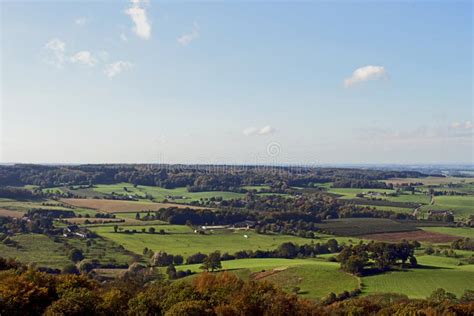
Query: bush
{"points": [[70, 269]]}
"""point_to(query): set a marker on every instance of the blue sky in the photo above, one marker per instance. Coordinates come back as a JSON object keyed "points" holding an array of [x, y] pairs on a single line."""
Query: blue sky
{"points": [[230, 82]]}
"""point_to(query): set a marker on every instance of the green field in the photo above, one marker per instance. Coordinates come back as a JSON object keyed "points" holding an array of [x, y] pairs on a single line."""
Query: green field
{"points": [[15, 205], [315, 278], [390, 208], [430, 180], [350, 193], [419, 198], [101, 249], [36, 248], [461, 206], [454, 231], [438, 272], [178, 195], [181, 240]]}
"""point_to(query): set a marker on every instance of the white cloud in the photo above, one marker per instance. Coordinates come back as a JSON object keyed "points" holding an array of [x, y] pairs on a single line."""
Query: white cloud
{"points": [[460, 125], [115, 68], [84, 57], [81, 21], [455, 125], [186, 39], [266, 130], [250, 131], [364, 74], [456, 130], [123, 37], [137, 13], [55, 52]]}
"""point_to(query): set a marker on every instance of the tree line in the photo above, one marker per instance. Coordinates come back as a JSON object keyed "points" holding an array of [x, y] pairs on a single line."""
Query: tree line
{"points": [[27, 291]]}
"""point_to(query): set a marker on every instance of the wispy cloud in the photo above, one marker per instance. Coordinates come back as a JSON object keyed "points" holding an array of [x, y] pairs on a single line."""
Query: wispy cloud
{"points": [[186, 39], [365, 73], [80, 21], [123, 37], [266, 130], [84, 57], [55, 51], [116, 68], [463, 131], [467, 125], [137, 12]]}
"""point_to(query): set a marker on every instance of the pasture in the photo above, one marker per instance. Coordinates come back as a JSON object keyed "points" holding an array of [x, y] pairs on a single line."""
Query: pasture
{"points": [[177, 195], [461, 206], [106, 251], [430, 180], [437, 272], [351, 193], [36, 248], [314, 278], [112, 206], [181, 240]]}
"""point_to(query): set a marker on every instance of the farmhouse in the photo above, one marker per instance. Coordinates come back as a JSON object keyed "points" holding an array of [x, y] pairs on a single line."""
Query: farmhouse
{"points": [[440, 213], [214, 227], [74, 230], [245, 224]]}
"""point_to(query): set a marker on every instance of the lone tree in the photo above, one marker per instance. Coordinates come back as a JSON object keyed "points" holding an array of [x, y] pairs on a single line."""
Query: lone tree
{"points": [[212, 262], [76, 255]]}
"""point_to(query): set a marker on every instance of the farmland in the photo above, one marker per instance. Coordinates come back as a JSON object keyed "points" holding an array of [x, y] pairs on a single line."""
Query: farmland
{"points": [[181, 240], [112, 206], [461, 206], [437, 272], [418, 235], [177, 195], [452, 231], [433, 181], [301, 215], [305, 274], [363, 226], [36, 248]]}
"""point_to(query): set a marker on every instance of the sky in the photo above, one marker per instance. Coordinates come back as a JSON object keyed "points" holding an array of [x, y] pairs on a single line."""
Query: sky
{"points": [[236, 82]]}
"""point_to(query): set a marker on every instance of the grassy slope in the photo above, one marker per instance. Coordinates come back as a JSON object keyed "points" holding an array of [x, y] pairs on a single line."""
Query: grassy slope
{"points": [[350, 193], [314, 278], [159, 194], [104, 250], [182, 240], [439, 272], [36, 248], [462, 206]]}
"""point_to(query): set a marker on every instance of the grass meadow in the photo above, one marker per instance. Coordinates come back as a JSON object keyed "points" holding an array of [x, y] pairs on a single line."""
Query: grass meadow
{"points": [[438, 272], [36, 248], [314, 278]]}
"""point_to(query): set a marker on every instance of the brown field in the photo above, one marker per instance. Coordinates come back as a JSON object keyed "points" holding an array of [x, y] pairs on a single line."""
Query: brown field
{"points": [[8, 213], [419, 235], [429, 180], [116, 206]]}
